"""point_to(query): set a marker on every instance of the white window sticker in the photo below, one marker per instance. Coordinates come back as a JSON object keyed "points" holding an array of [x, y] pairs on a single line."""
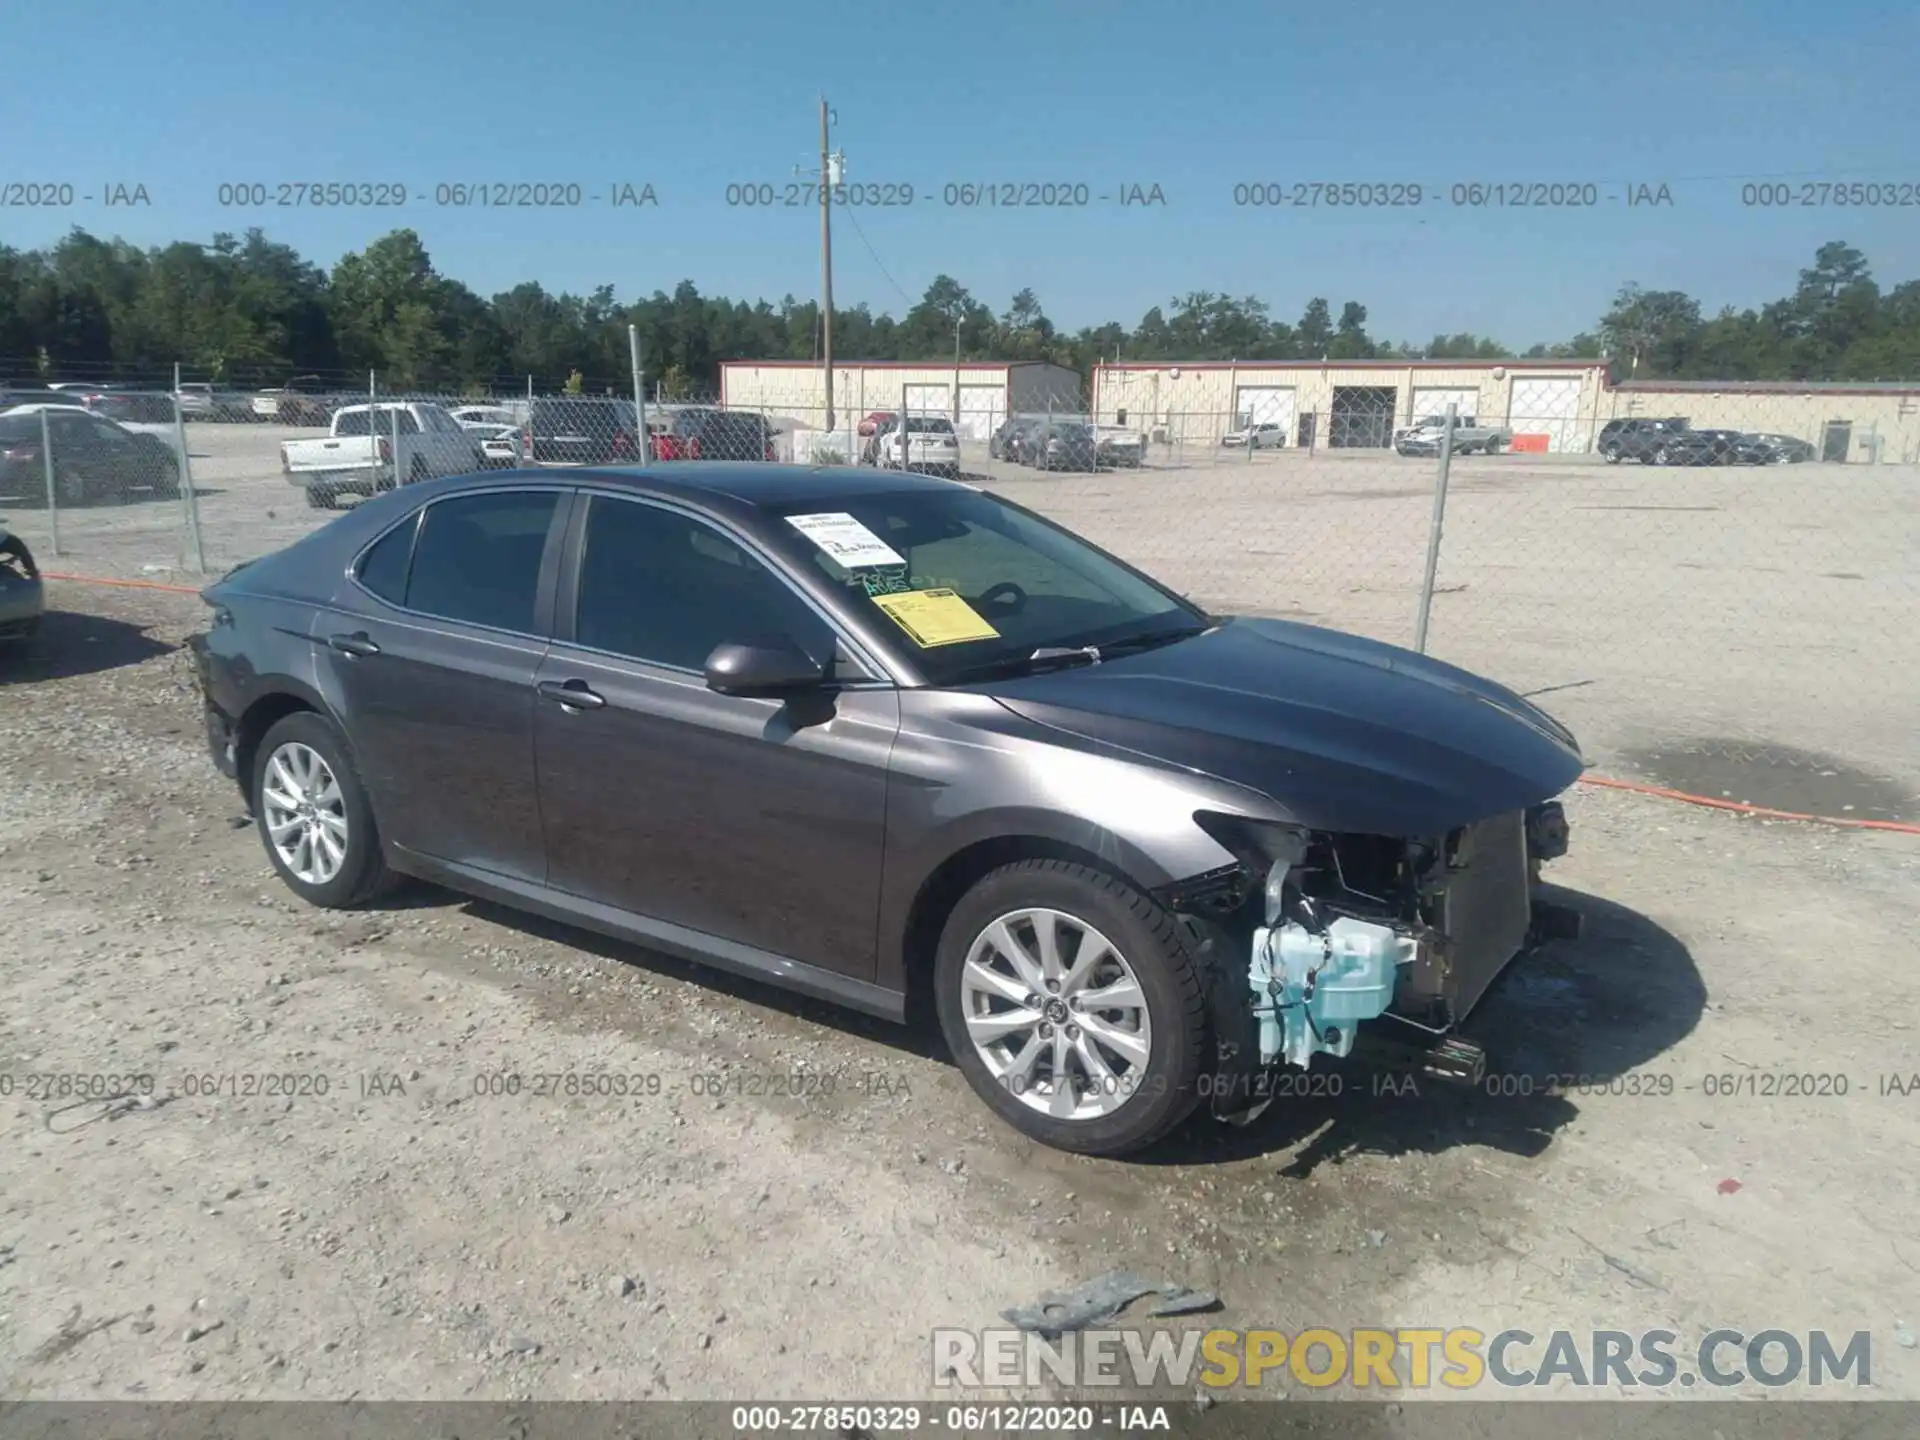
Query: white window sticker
{"points": [[845, 539]]}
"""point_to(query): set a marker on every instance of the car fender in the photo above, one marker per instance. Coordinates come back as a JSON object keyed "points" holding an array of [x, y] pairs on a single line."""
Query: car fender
{"points": [[966, 771]]}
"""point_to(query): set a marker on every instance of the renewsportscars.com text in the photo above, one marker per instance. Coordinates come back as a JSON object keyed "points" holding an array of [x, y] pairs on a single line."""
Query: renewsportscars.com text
{"points": [[1402, 1358]]}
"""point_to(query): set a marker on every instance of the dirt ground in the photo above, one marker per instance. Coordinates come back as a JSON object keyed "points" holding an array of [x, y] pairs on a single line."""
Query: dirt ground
{"points": [[410, 1233]]}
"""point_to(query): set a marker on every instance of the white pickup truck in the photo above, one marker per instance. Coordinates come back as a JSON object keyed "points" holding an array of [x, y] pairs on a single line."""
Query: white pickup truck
{"points": [[1423, 436], [410, 441]]}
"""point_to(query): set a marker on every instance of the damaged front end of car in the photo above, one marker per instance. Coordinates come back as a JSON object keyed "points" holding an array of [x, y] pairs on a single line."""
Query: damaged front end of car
{"points": [[1367, 946]]}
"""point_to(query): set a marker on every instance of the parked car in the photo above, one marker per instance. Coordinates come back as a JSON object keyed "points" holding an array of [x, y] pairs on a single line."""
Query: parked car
{"points": [[13, 396], [1724, 447], [1639, 438], [502, 447], [1062, 445], [202, 401], [865, 736], [997, 442], [727, 435], [582, 430], [1676, 442], [1775, 449], [370, 448], [481, 417], [675, 440], [928, 445], [22, 594], [1262, 436], [1023, 444], [304, 400], [1120, 447], [143, 412], [1423, 436], [93, 458]]}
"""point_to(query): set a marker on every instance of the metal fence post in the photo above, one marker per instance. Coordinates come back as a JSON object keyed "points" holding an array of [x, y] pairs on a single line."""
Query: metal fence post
{"points": [[902, 431], [53, 503], [1433, 531], [641, 440], [396, 451], [188, 499]]}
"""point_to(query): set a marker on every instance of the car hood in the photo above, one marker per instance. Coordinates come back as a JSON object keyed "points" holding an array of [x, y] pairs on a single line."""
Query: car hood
{"points": [[1344, 733]]}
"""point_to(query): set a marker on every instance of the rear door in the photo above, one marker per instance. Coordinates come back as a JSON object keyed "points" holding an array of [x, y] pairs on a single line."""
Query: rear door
{"points": [[429, 654]]}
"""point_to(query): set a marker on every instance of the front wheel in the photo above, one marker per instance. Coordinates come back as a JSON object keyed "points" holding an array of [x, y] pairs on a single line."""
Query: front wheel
{"points": [[1663, 456], [1073, 1006], [1611, 456], [313, 815]]}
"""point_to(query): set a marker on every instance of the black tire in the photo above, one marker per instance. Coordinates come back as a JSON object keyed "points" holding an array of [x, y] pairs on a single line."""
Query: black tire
{"points": [[1663, 456], [1610, 455], [1155, 947], [321, 497], [363, 872]]}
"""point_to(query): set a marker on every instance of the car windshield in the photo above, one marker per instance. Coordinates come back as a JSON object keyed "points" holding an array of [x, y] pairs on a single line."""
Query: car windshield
{"points": [[930, 427], [974, 586]]}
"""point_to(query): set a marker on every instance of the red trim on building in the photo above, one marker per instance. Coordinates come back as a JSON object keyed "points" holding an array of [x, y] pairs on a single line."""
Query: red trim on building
{"points": [[1164, 365], [943, 365]]}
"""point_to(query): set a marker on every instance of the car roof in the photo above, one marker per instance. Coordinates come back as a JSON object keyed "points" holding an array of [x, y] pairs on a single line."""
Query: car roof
{"points": [[750, 482]]}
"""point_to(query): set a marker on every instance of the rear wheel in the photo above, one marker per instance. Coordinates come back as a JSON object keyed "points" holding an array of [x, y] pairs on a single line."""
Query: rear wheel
{"points": [[1073, 1006], [313, 815], [1663, 456]]}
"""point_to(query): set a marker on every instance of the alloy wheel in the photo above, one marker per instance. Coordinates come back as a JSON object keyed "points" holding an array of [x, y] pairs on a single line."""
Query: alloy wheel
{"points": [[1056, 1014], [306, 813]]}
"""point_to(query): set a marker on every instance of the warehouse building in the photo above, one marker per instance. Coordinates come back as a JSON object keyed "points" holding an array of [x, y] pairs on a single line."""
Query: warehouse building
{"points": [[975, 395], [1552, 406]]}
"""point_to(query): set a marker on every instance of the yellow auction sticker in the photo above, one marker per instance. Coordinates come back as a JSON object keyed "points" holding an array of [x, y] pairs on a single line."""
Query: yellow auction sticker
{"points": [[935, 617]]}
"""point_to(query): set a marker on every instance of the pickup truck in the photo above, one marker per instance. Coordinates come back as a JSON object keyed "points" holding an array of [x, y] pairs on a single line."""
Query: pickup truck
{"points": [[1423, 436], [410, 442]]}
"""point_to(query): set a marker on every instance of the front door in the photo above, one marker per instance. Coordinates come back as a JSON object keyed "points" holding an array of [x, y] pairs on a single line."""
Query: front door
{"points": [[759, 821], [429, 659]]}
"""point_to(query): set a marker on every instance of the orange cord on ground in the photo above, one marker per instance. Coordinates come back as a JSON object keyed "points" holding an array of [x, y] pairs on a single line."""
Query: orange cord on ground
{"points": [[119, 584], [1741, 808], [1602, 781]]}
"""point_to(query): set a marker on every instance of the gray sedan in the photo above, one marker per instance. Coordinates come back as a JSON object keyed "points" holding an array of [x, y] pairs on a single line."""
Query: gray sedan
{"points": [[885, 739]]}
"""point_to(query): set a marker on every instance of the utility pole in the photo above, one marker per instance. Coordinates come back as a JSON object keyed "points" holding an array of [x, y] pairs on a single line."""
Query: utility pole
{"points": [[829, 178], [958, 320]]}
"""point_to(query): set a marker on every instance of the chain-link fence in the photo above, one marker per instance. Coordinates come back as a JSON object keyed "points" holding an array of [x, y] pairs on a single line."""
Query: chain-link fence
{"points": [[1681, 591]]}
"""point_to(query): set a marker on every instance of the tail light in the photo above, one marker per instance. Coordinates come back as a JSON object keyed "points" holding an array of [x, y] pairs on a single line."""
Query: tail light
{"points": [[386, 450], [286, 463], [622, 443], [526, 442]]}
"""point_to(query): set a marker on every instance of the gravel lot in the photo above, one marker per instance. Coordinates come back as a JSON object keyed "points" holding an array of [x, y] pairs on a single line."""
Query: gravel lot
{"points": [[405, 1235]]}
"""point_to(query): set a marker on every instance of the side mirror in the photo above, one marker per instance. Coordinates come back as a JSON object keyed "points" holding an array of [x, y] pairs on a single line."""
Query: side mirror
{"points": [[764, 665]]}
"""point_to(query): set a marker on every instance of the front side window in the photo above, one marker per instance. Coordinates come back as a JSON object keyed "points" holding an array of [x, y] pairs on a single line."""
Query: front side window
{"points": [[1017, 583], [665, 588], [477, 558]]}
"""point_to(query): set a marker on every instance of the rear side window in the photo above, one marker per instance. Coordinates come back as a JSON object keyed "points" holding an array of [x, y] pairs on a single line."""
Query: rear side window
{"points": [[477, 559], [383, 569]]}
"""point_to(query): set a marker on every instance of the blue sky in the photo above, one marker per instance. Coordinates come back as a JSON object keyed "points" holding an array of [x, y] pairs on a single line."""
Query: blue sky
{"points": [[1197, 98]]}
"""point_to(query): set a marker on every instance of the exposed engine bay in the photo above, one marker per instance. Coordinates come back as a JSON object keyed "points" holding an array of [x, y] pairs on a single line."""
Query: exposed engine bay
{"points": [[1314, 935]]}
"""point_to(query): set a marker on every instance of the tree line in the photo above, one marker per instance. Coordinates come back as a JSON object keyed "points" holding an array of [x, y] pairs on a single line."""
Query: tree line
{"points": [[247, 311]]}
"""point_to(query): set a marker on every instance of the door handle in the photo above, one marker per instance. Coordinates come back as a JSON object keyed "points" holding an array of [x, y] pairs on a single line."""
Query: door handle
{"points": [[354, 644], [573, 694]]}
